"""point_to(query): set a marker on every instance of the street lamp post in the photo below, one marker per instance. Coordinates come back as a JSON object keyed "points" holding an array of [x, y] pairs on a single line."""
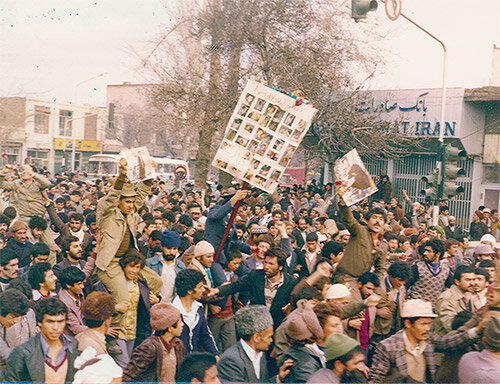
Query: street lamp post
{"points": [[85, 81], [73, 141]]}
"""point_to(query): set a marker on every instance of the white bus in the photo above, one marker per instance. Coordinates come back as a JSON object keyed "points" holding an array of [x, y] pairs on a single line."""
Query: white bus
{"points": [[107, 165]]}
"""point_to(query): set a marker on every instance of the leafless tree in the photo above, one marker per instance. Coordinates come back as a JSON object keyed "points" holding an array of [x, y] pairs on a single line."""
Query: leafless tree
{"points": [[204, 59]]}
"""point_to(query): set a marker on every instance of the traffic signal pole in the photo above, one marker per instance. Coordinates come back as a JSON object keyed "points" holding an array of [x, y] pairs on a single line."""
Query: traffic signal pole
{"points": [[440, 164], [359, 9]]}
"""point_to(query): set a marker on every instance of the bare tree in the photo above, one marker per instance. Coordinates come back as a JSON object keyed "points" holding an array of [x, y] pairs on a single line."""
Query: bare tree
{"points": [[203, 61]]}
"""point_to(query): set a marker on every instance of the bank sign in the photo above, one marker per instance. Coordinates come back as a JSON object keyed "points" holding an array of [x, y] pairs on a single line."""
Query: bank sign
{"points": [[417, 112]]}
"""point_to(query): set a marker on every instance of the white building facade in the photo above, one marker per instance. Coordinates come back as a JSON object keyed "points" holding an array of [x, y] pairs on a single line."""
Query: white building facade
{"points": [[470, 123], [50, 134]]}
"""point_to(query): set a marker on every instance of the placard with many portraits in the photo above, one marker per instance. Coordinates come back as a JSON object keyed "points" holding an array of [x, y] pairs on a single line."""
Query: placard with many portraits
{"points": [[262, 135]]}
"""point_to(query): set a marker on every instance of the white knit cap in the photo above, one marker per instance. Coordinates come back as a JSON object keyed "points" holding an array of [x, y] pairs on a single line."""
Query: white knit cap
{"points": [[203, 248], [95, 369], [337, 291], [489, 238]]}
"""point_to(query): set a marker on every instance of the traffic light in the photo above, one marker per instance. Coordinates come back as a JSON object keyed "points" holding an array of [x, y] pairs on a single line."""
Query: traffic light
{"points": [[451, 170], [432, 182], [359, 8]]}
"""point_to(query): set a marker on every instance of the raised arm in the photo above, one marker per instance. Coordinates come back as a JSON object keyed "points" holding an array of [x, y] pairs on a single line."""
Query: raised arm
{"points": [[56, 220], [348, 219]]}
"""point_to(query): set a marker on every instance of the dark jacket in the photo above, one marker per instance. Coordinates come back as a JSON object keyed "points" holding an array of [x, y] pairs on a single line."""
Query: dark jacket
{"points": [[235, 367], [88, 242], [23, 253], [451, 234], [200, 335], [26, 362], [219, 277], [147, 359], [215, 227], [305, 364], [477, 230], [254, 283], [296, 233]]}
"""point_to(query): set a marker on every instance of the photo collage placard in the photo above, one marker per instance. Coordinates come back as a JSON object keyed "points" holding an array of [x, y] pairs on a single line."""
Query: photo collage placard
{"points": [[263, 134]]}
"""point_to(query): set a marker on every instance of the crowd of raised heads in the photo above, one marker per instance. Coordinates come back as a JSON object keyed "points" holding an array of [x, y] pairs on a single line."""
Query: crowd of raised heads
{"points": [[110, 281]]}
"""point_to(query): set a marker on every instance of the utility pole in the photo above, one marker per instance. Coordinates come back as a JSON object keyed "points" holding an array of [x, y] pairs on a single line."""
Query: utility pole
{"points": [[359, 8]]}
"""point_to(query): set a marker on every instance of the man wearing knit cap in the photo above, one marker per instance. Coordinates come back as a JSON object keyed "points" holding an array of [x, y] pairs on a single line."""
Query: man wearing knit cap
{"points": [[167, 265], [410, 352], [203, 260], [97, 310], [343, 356], [245, 362], [158, 357], [303, 329], [483, 367]]}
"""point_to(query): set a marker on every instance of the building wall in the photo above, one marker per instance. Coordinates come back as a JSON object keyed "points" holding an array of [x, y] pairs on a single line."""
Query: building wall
{"points": [[34, 126], [418, 112]]}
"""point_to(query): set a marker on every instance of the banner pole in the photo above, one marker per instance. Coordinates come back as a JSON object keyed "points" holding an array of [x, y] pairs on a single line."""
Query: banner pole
{"points": [[229, 224]]}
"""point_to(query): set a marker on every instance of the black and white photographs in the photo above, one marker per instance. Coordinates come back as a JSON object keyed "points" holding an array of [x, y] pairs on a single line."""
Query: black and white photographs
{"points": [[264, 131]]}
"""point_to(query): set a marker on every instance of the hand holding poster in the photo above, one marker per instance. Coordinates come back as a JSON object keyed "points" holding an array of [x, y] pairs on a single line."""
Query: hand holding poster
{"points": [[140, 166], [353, 181], [263, 133]]}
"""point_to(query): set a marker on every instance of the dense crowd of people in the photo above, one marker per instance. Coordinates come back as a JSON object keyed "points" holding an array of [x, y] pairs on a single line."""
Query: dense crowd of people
{"points": [[107, 281]]}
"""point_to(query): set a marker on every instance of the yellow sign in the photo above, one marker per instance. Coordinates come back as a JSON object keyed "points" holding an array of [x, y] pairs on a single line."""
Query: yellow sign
{"points": [[80, 145]]}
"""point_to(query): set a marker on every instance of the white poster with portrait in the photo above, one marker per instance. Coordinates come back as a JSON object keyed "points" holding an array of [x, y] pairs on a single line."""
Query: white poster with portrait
{"points": [[139, 160], [262, 135], [352, 179]]}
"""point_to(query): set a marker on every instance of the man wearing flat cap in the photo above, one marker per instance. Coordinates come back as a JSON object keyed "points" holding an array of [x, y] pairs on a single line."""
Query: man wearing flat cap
{"points": [[483, 367], [19, 242], [245, 362], [410, 352], [167, 265], [118, 223]]}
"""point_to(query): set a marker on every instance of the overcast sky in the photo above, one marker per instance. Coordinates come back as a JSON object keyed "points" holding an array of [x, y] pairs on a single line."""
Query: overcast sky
{"points": [[47, 48]]}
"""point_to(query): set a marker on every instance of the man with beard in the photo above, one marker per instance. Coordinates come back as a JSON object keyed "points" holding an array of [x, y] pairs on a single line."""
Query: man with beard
{"points": [[270, 287], [71, 250], [429, 276], [408, 355], [167, 265], [365, 249], [73, 228], [345, 361]]}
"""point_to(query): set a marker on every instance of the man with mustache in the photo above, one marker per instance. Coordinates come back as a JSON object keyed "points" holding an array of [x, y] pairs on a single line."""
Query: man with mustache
{"points": [[167, 265]]}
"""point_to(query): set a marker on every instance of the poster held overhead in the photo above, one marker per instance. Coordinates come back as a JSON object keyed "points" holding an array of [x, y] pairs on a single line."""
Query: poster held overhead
{"points": [[353, 181], [140, 165], [264, 131]]}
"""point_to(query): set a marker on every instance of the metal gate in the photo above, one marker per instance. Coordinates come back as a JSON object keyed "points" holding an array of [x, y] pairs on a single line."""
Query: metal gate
{"points": [[408, 172]]}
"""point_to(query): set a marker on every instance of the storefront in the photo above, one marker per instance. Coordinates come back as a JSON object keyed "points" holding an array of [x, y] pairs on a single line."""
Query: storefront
{"points": [[71, 154]]}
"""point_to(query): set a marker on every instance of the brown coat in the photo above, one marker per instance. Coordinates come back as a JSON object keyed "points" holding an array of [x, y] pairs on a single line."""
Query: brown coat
{"points": [[360, 255], [147, 360]]}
